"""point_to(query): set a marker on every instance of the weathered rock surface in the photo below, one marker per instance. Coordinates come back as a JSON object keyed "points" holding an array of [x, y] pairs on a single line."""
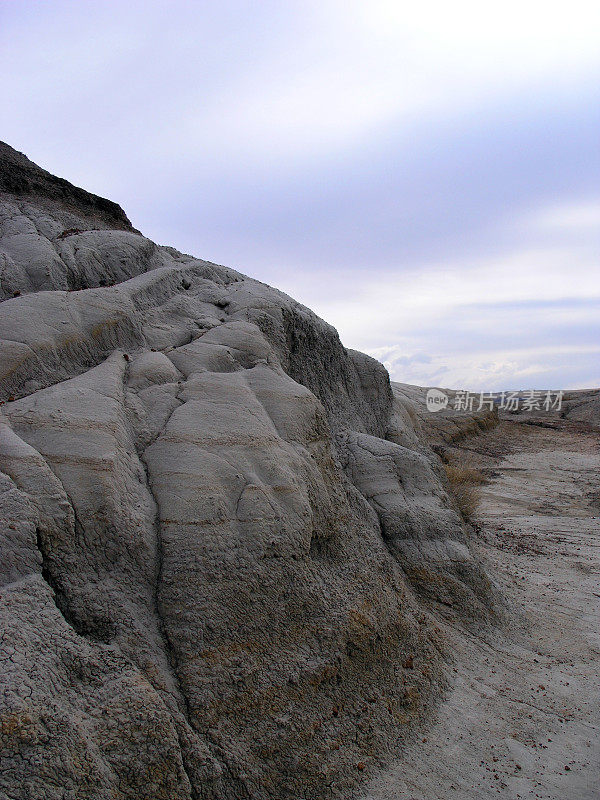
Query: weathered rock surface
{"points": [[224, 540]]}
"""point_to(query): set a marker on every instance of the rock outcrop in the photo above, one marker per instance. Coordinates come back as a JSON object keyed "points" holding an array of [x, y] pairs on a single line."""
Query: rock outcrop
{"points": [[224, 539]]}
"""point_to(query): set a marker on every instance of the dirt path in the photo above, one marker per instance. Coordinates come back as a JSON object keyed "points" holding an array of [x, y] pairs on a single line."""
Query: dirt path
{"points": [[522, 719]]}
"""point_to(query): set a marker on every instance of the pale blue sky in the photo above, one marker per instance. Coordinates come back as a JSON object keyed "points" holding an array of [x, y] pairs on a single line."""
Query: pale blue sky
{"points": [[427, 179]]}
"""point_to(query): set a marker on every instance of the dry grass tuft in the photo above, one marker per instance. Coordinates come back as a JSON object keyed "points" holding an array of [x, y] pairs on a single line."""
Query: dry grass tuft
{"points": [[464, 486], [459, 475]]}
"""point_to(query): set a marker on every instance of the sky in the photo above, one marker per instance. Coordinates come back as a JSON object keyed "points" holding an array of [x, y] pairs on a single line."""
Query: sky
{"points": [[424, 176]]}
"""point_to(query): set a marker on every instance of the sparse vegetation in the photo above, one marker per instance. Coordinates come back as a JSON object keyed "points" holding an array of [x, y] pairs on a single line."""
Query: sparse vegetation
{"points": [[464, 485], [460, 475]]}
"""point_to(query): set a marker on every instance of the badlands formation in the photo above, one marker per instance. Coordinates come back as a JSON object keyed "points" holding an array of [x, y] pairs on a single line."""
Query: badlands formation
{"points": [[231, 562]]}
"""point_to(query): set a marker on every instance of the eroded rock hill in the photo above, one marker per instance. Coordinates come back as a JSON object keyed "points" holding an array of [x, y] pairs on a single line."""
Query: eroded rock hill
{"points": [[224, 539]]}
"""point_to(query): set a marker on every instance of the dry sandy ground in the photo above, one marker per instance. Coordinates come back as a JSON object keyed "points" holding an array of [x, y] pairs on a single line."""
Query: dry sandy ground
{"points": [[522, 719]]}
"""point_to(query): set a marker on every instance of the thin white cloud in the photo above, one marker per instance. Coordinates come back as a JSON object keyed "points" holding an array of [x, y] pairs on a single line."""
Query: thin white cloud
{"points": [[582, 216], [385, 304], [355, 67], [526, 368]]}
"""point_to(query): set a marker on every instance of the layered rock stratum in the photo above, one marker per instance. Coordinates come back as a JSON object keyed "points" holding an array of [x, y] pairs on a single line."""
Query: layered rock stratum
{"points": [[226, 541]]}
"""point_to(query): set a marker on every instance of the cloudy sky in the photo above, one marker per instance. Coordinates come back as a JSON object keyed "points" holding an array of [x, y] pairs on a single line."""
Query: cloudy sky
{"points": [[425, 176]]}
